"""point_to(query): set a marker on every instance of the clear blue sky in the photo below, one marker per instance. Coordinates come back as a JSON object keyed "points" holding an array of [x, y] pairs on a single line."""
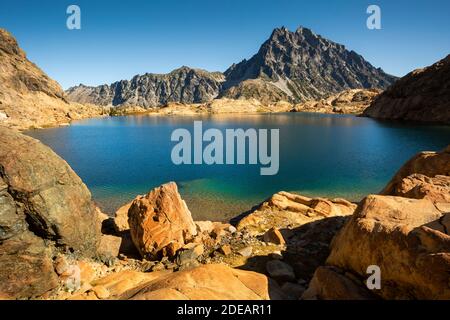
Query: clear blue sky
{"points": [[119, 39]]}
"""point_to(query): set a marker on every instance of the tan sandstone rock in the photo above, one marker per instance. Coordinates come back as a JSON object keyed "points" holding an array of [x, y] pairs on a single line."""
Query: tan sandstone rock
{"points": [[109, 246], [396, 234], [274, 236], [158, 219], [209, 282], [426, 175], [121, 218], [352, 101], [291, 210]]}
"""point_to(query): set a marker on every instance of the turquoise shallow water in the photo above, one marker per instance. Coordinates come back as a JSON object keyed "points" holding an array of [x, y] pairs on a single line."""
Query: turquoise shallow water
{"points": [[320, 155]]}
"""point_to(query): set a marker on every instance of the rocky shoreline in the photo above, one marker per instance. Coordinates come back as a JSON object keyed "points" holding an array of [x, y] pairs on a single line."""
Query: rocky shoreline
{"points": [[56, 244], [353, 101]]}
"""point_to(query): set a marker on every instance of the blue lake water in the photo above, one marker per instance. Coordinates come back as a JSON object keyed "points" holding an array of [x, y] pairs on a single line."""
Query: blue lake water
{"points": [[320, 155]]}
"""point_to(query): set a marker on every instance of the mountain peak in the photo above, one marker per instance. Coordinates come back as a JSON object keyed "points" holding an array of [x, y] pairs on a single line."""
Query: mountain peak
{"points": [[307, 66]]}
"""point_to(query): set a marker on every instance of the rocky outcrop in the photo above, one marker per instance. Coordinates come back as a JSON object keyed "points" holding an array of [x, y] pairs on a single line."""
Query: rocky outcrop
{"points": [[353, 101], [121, 218], [160, 222], [399, 236], [422, 95], [304, 66], [426, 175], [419, 186], [183, 85], [285, 210], [406, 236], [28, 97]]}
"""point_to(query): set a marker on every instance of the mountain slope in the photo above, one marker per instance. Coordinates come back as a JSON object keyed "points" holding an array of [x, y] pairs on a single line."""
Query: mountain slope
{"points": [[28, 97], [304, 66], [184, 85], [422, 95]]}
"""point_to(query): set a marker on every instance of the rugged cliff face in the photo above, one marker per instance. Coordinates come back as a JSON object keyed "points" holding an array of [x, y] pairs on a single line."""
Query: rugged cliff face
{"points": [[304, 66], [28, 97], [290, 66], [151, 90], [422, 95]]}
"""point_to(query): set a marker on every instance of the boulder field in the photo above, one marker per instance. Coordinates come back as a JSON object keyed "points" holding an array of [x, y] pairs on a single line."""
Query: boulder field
{"points": [[56, 244]]}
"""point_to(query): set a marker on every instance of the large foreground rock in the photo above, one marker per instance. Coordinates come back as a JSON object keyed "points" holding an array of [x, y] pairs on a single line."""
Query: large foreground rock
{"points": [[159, 219], [407, 238], [209, 282], [44, 194]]}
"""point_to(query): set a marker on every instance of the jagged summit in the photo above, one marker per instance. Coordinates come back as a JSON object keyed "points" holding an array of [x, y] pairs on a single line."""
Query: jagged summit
{"points": [[306, 66]]}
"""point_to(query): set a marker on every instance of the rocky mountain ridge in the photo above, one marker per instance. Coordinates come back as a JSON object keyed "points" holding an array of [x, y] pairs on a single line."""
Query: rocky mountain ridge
{"points": [[290, 66], [185, 85], [422, 95]]}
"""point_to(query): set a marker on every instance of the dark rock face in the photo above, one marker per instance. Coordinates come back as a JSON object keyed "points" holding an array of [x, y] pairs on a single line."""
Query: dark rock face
{"points": [[422, 95], [184, 85], [44, 208], [307, 66], [290, 66], [39, 191]]}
